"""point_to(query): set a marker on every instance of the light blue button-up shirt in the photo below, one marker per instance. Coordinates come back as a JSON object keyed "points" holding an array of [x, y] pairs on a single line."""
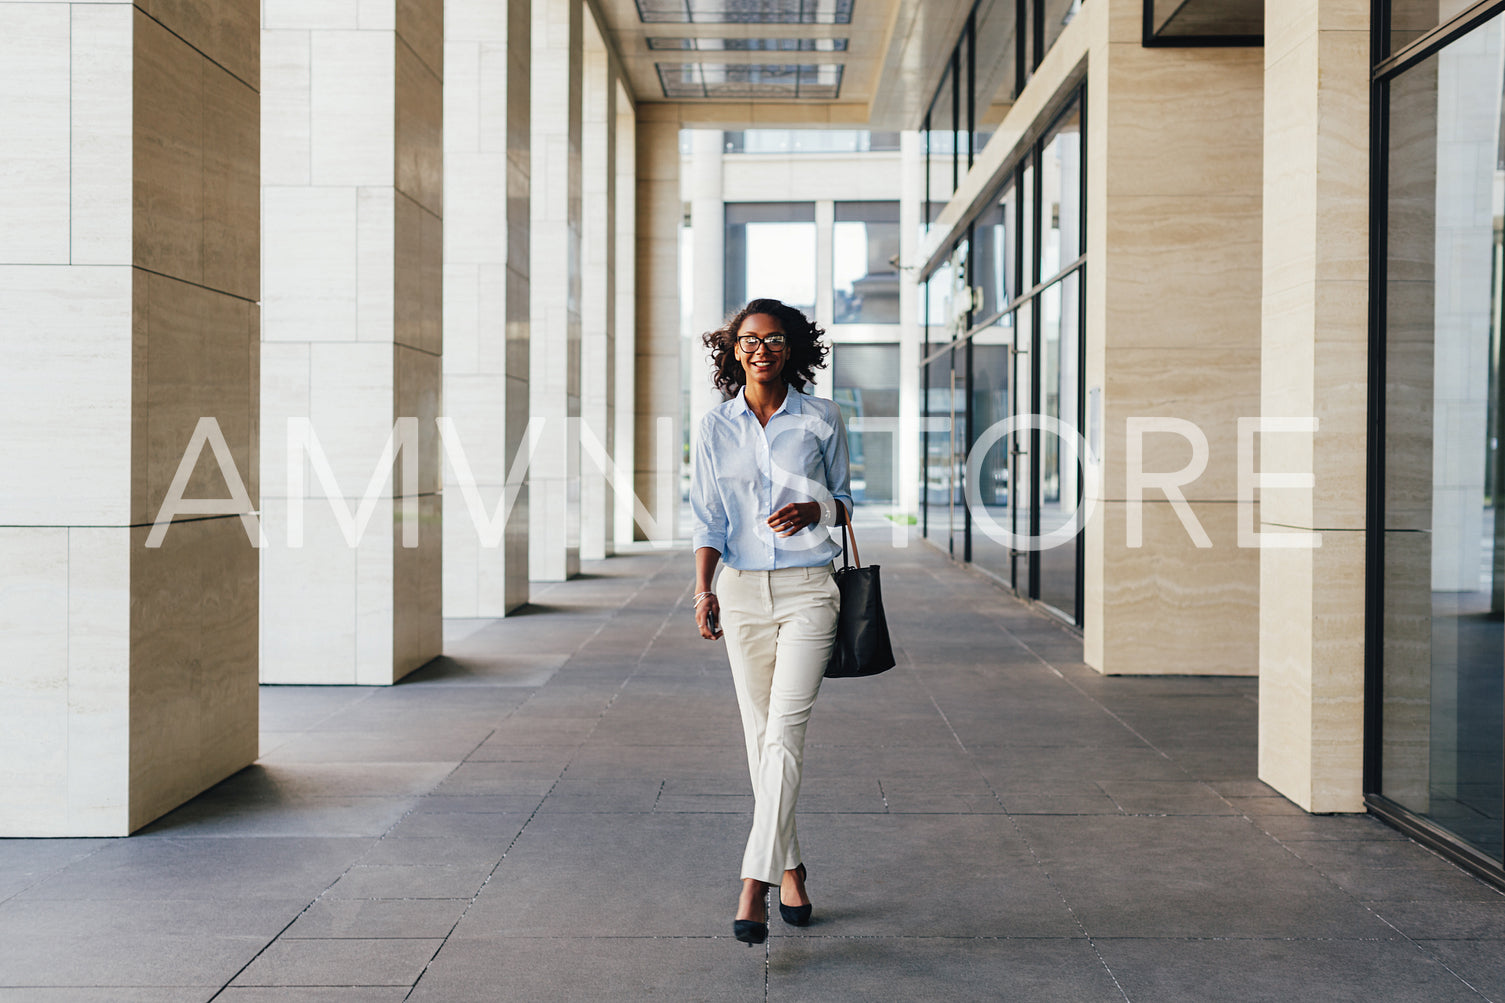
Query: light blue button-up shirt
{"points": [[744, 472]]}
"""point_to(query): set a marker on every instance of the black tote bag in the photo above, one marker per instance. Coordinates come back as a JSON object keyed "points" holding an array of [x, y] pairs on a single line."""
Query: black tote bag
{"points": [[862, 646]]}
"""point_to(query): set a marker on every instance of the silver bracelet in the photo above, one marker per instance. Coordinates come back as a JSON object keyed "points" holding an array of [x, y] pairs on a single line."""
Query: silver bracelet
{"points": [[699, 596]]}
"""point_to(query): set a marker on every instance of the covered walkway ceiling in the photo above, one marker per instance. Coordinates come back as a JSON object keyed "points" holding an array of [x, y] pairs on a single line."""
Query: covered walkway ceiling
{"points": [[737, 63]]}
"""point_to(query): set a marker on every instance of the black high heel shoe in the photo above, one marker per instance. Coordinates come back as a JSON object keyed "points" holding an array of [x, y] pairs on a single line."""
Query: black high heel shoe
{"points": [[796, 915], [750, 931]]}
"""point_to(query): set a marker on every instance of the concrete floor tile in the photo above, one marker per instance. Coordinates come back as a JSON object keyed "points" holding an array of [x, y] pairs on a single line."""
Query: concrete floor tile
{"points": [[1203, 876], [1469, 920], [1304, 827], [109, 994], [512, 779], [569, 970], [500, 827], [208, 870], [339, 962], [880, 969], [579, 769], [24, 862], [135, 942], [871, 876], [312, 994], [659, 875], [1480, 963], [1345, 971], [411, 882], [377, 918], [447, 850], [1378, 870], [293, 817]]}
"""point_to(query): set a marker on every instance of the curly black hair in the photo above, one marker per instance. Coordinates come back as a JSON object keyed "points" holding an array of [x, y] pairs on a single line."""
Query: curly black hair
{"points": [[806, 351]]}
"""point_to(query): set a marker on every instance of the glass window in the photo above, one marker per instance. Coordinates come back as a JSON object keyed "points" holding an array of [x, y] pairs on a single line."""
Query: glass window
{"points": [[1444, 528], [865, 270], [940, 142], [770, 251], [993, 256], [1411, 19], [940, 482], [809, 141], [865, 381], [1058, 14], [1060, 474], [992, 359], [1061, 196]]}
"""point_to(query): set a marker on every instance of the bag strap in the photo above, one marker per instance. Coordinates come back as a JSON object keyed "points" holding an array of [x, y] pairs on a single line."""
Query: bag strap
{"points": [[846, 529]]}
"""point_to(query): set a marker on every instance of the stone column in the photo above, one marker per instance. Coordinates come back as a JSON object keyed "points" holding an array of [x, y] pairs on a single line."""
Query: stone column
{"points": [[1172, 311], [625, 308], [598, 293], [352, 183], [656, 458], [1315, 364], [129, 280], [554, 355], [708, 236], [911, 334], [487, 98]]}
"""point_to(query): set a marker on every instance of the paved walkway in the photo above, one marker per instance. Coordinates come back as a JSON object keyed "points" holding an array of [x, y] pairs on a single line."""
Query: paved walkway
{"points": [[557, 811]]}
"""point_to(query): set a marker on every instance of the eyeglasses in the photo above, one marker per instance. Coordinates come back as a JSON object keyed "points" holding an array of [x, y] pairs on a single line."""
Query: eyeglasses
{"points": [[774, 342]]}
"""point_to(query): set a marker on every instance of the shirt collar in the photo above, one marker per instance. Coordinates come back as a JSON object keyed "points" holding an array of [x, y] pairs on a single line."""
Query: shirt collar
{"points": [[791, 403]]}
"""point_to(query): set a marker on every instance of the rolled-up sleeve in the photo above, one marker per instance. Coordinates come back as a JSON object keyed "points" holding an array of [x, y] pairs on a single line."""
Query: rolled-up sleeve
{"points": [[707, 513], [838, 467]]}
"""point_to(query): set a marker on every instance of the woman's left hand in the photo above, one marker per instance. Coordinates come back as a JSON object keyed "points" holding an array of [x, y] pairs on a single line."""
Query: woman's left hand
{"points": [[794, 517]]}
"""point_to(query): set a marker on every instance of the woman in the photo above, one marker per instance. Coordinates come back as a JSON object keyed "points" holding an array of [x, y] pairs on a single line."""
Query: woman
{"points": [[770, 479]]}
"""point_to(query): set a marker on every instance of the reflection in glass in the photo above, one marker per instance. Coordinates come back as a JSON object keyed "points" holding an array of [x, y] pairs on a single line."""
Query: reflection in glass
{"points": [[1060, 481], [1411, 19], [1444, 542], [1058, 14], [1061, 195], [865, 254], [1022, 502], [991, 361], [940, 143], [865, 382], [1027, 225], [770, 251], [940, 480], [994, 260]]}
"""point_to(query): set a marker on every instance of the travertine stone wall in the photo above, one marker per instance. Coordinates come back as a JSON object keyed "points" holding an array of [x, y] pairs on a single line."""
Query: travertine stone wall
{"points": [[1173, 330], [352, 196], [598, 252], [705, 191], [624, 270], [1315, 363], [129, 232], [487, 114], [657, 375], [554, 355]]}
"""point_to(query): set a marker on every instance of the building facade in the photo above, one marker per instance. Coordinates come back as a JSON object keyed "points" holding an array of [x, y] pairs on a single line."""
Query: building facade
{"points": [[327, 321]]}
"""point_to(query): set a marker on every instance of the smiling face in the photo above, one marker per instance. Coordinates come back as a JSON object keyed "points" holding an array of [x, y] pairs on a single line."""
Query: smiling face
{"points": [[764, 365]]}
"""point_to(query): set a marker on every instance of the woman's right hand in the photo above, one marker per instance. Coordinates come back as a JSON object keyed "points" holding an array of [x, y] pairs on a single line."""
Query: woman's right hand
{"points": [[703, 613]]}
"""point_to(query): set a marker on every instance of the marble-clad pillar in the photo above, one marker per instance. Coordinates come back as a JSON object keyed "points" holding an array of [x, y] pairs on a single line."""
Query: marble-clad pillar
{"points": [[487, 87], [703, 190], [625, 325], [656, 395], [554, 281], [1315, 364], [598, 254], [351, 341], [129, 280], [1172, 311]]}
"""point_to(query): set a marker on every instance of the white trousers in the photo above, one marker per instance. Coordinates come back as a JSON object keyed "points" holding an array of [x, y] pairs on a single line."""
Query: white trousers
{"points": [[779, 627]]}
